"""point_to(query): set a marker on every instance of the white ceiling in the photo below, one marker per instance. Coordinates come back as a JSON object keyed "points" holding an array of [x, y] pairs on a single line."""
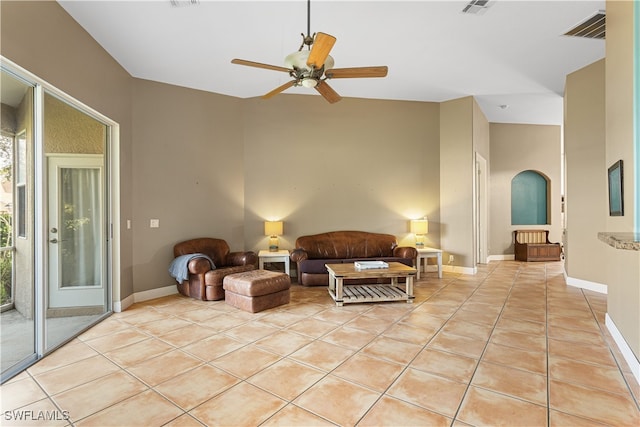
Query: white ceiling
{"points": [[514, 54]]}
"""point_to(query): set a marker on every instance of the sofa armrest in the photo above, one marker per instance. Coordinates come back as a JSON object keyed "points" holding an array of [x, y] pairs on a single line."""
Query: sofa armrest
{"points": [[298, 255], [241, 258], [199, 266], [405, 252]]}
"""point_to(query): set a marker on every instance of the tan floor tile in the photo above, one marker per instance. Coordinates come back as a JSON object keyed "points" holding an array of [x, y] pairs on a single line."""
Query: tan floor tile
{"points": [[539, 316], [458, 344], [392, 350], [313, 328], [468, 329], [434, 309], [213, 347], [373, 373], [114, 388], [201, 315], [184, 420], [282, 319], [74, 374], [596, 405], [523, 326], [163, 326], [116, 340], [63, 356], [143, 315], [161, 368], [106, 327], [560, 419], [528, 360], [337, 400], [196, 386], [187, 335], [336, 315], [245, 361], [252, 331], [157, 411], [242, 405], [393, 412], [584, 352], [283, 342], [595, 376], [138, 352], [453, 366], [483, 407], [519, 340], [225, 322], [409, 333], [583, 323], [17, 394], [322, 355], [476, 317], [574, 335], [292, 415], [351, 338], [513, 382], [369, 324], [286, 379], [428, 391], [424, 320]]}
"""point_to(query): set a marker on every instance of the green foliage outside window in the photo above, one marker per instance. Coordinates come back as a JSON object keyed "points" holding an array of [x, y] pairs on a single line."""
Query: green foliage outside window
{"points": [[6, 258]]}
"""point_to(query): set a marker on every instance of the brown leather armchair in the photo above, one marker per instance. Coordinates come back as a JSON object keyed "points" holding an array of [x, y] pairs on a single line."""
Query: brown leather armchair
{"points": [[205, 283]]}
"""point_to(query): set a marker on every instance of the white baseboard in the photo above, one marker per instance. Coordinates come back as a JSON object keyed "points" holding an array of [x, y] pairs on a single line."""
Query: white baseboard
{"points": [[119, 306], [461, 270], [585, 284], [506, 257], [627, 353]]}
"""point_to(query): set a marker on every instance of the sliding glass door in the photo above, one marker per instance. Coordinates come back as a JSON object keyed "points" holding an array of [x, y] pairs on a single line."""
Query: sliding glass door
{"points": [[55, 219]]}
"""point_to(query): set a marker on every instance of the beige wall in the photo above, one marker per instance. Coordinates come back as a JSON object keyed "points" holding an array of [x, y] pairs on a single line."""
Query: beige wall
{"points": [[189, 174], [622, 267], [456, 181], [586, 187], [516, 148], [355, 165], [42, 38]]}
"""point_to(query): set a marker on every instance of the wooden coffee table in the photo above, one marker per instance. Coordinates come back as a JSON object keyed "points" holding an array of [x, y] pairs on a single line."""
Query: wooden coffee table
{"points": [[370, 292]]}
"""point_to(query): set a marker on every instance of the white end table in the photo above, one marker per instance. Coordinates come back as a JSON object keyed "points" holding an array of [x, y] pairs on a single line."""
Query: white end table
{"points": [[281, 255], [423, 254]]}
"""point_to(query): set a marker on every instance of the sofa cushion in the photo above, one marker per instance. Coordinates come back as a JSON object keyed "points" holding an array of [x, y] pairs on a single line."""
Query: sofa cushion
{"points": [[347, 244]]}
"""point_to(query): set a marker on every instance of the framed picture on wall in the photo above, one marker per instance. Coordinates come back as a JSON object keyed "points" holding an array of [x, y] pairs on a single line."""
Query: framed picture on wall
{"points": [[616, 189]]}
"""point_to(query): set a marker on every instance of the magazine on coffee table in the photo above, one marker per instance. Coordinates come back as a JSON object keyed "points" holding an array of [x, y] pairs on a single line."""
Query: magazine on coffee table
{"points": [[366, 265]]}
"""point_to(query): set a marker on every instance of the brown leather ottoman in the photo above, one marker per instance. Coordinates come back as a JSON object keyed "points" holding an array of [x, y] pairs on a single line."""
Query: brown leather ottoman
{"points": [[256, 290]]}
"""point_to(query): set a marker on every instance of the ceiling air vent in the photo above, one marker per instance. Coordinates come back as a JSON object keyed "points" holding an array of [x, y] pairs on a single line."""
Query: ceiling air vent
{"points": [[476, 6], [591, 28]]}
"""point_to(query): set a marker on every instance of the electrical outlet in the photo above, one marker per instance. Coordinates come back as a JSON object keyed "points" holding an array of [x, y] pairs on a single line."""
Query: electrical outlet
{"points": [[154, 223], [450, 259]]}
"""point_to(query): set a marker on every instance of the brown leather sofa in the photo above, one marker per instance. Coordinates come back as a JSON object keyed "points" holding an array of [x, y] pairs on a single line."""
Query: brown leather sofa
{"points": [[314, 251], [203, 282]]}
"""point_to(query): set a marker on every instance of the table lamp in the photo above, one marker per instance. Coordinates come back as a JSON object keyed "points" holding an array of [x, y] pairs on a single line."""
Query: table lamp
{"points": [[273, 229], [419, 227]]}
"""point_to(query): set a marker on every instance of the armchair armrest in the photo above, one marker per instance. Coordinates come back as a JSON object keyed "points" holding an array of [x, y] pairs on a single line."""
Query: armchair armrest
{"points": [[298, 255], [241, 258], [405, 252], [199, 266]]}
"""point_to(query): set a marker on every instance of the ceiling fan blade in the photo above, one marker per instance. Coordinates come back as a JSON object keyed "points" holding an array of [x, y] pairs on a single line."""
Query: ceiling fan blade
{"points": [[259, 65], [320, 49], [327, 92], [279, 89], [348, 73]]}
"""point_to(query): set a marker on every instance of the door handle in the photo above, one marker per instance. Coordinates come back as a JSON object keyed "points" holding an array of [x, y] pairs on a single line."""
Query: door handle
{"points": [[54, 240]]}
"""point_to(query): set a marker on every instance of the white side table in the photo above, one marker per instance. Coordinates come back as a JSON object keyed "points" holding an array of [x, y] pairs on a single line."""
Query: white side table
{"points": [[281, 255], [423, 254]]}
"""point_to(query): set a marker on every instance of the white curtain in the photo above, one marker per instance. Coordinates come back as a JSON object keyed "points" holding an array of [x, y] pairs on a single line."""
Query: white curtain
{"points": [[80, 237]]}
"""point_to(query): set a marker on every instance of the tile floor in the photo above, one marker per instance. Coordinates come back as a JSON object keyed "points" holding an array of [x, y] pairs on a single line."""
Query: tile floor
{"points": [[512, 345]]}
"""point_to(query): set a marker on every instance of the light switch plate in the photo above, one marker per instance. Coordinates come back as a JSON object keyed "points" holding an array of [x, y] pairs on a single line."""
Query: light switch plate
{"points": [[154, 223]]}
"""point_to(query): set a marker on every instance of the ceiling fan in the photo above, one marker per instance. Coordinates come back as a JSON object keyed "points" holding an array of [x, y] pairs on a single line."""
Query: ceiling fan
{"points": [[314, 66]]}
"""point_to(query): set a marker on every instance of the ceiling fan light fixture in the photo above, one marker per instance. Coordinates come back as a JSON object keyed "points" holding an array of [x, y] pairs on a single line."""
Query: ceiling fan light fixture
{"points": [[298, 61], [309, 82]]}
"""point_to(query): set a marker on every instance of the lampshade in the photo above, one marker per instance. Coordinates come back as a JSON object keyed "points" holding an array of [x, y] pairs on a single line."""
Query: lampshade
{"points": [[273, 228], [419, 226]]}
